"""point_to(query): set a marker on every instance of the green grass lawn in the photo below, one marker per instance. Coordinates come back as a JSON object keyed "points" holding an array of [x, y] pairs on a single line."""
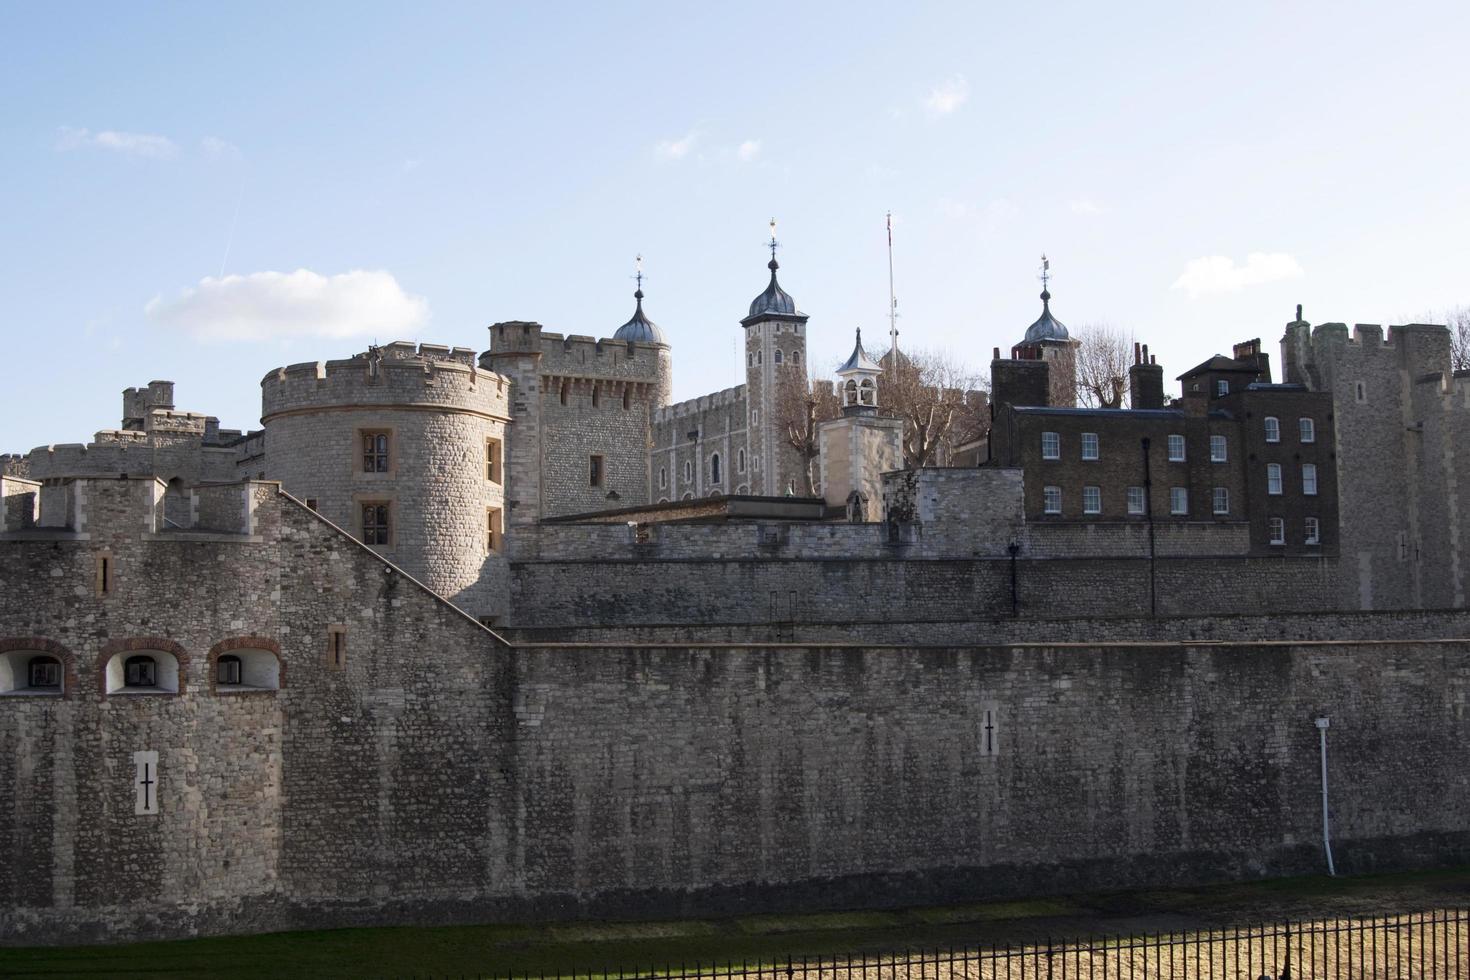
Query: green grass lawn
{"points": [[600, 947]]}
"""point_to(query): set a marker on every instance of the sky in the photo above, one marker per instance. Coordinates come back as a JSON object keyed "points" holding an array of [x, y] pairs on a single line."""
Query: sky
{"points": [[203, 192]]}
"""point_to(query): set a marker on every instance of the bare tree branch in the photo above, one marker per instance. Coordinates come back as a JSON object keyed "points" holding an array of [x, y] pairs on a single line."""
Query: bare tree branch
{"points": [[802, 405], [942, 405], [1103, 355]]}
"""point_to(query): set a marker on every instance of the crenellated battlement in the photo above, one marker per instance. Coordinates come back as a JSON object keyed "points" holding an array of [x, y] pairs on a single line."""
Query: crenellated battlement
{"points": [[577, 355], [402, 374], [725, 398]]}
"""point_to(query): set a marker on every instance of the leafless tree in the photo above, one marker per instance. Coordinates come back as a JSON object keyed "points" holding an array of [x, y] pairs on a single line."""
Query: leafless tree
{"points": [[1458, 320], [941, 403], [802, 405], [1103, 355]]}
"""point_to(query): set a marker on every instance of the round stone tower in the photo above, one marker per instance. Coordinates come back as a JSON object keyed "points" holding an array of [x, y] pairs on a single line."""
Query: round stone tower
{"points": [[403, 447]]}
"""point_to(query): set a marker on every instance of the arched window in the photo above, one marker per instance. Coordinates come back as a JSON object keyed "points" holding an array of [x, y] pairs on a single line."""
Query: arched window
{"points": [[796, 357], [228, 669], [142, 672], [176, 505], [714, 468], [869, 393], [778, 355], [30, 672], [663, 477], [740, 461], [246, 670], [688, 471], [1273, 429]]}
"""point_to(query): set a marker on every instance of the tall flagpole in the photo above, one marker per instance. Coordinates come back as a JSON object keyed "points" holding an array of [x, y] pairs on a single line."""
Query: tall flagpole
{"points": [[892, 301]]}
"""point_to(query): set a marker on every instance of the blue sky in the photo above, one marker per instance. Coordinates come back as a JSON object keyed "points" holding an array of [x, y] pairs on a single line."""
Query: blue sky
{"points": [[421, 171]]}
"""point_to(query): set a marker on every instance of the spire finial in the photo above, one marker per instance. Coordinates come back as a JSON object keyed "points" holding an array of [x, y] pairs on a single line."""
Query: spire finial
{"points": [[638, 265], [773, 246], [1298, 313], [1045, 278]]}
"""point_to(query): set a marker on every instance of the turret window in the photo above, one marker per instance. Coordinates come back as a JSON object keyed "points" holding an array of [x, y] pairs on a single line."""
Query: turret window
{"points": [[375, 452], [714, 468], [492, 460], [740, 461], [377, 522], [688, 471], [663, 477], [777, 355]]}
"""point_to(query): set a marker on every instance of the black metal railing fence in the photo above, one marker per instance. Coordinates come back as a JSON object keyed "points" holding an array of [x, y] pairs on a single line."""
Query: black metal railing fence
{"points": [[1433, 945]]}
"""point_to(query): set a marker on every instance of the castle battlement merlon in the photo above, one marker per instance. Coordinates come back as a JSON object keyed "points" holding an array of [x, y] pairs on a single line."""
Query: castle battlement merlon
{"points": [[724, 398], [398, 373]]}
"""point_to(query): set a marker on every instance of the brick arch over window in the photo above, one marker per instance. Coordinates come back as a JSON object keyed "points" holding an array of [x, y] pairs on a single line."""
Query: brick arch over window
{"points": [[52, 649], [244, 643], [141, 644]]}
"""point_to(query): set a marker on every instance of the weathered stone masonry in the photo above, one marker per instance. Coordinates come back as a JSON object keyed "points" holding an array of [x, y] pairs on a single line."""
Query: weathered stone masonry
{"points": [[439, 775]]}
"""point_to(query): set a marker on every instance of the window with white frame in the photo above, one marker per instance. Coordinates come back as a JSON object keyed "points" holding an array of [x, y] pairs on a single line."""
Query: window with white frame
{"points": [[1309, 479], [1176, 448], [1278, 530], [1222, 387], [1314, 531], [1273, 479], [1178, 500], [1089, 445], [1273, 429], [1308, 429], [1051, 500], [1051, 445], [1221, 498], [1092, 500], [1135, 500], [1218, 452]]}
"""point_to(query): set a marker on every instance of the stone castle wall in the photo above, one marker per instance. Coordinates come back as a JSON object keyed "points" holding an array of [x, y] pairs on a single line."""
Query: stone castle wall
{"points": [[1402, 441], [719, 423], [576, 397], [439, 411]]}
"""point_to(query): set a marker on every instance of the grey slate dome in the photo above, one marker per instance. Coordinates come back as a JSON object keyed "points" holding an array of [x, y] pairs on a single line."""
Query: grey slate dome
{"points": [[774, 299], [640, 329], [1047, 327], [859, 361]]}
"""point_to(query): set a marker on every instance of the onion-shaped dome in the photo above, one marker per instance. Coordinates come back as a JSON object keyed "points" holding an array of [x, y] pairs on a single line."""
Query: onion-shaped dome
{"points": [[774, 299], [640, 329], [1047, 327]]}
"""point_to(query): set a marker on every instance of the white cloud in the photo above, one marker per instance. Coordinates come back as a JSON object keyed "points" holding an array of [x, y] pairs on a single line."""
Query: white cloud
{"points": [[947, 96], [409, 166], [1084, 206], [677, 149], [134, 144], [220, 149], [282, 305], [1220, 274], [749, 150]]}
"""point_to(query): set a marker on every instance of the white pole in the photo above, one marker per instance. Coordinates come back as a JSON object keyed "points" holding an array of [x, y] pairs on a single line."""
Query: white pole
{"points": [[1322, 724], [892, 302]]}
